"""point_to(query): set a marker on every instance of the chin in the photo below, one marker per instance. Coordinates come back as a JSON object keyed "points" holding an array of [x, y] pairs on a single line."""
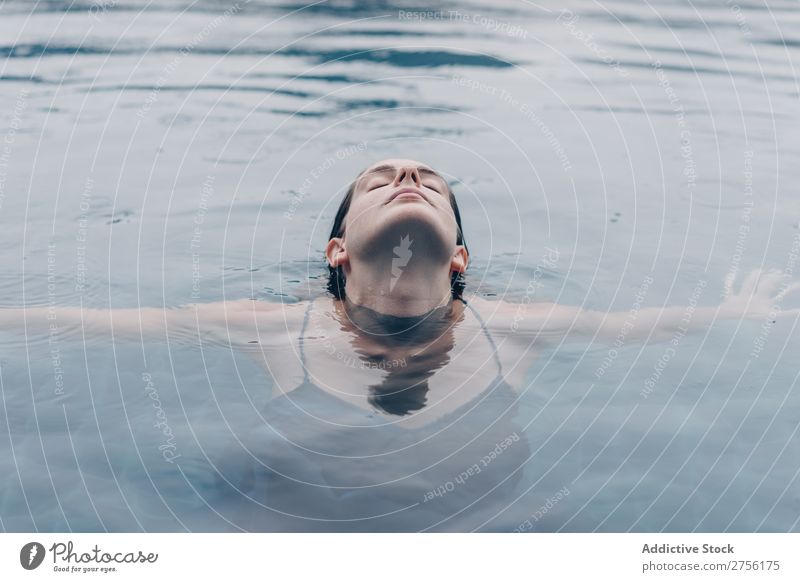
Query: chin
{"points": [[412, 208], [423, 226]]}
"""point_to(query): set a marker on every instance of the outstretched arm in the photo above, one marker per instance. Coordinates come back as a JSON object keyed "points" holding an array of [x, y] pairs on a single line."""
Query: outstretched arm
{"points": [[127, 324], [760, 298], [122, 323]]}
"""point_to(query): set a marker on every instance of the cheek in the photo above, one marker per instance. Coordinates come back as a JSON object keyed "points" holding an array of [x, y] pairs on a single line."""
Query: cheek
{"points": [[359, 219], [362, 209]]}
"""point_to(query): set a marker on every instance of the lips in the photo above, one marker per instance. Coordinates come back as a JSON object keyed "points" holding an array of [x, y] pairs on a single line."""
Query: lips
{"points": [[407, 191]]}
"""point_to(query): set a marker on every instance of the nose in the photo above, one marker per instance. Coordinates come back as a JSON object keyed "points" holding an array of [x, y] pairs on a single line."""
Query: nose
{"points": [[407, 174]]}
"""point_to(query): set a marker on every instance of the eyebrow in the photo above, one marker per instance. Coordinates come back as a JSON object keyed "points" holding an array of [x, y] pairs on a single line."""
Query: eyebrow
{"points": [[390, 168]]}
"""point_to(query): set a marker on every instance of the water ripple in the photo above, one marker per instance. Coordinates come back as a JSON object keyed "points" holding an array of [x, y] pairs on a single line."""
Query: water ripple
{"points": [[398, 58]]}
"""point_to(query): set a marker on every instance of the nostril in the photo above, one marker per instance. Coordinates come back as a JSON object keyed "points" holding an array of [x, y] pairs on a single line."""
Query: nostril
{"points": [[404, 173]]}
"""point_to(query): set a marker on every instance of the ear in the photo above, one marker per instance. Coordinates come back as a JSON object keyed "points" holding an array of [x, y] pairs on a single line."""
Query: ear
{"points": [[460, 259], [336, 253]]}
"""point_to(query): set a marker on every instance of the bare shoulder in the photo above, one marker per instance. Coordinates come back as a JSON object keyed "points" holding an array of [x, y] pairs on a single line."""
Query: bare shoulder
{"points": [[245, 314], [498, 309], [259, 306], [542, 316]]}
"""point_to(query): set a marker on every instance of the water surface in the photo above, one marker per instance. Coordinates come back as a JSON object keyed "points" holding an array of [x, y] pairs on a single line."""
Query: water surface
{"points": [[157, 154]]}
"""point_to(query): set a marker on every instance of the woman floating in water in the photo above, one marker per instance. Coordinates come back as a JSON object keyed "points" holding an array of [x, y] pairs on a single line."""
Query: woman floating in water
{"points": [[396, 396], [397, 254]]}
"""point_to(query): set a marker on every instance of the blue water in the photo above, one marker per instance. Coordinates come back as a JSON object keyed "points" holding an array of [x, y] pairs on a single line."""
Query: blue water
{"points": [[162, 153]]}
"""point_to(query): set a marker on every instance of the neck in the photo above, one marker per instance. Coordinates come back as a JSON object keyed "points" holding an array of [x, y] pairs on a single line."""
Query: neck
{"points": [[413, 289]]}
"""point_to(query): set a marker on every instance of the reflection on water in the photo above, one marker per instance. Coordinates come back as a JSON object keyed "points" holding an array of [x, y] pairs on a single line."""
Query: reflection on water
{"points": [[195, 152]]}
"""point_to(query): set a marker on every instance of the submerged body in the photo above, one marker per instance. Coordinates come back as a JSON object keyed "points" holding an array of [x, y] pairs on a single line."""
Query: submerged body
{"points": [[347, 349], [409, 428]]}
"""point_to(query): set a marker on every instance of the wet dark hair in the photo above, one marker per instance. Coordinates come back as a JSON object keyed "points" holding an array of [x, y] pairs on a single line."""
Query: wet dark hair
{"points": [[336, 278]]}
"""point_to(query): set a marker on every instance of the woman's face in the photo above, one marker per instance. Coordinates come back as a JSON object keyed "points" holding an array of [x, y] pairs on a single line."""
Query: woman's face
{"points": [[395, 198]]}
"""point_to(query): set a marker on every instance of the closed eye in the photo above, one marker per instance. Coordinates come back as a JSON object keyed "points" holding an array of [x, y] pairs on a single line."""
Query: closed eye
{"points": [[434, 188], [378, 185]]}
